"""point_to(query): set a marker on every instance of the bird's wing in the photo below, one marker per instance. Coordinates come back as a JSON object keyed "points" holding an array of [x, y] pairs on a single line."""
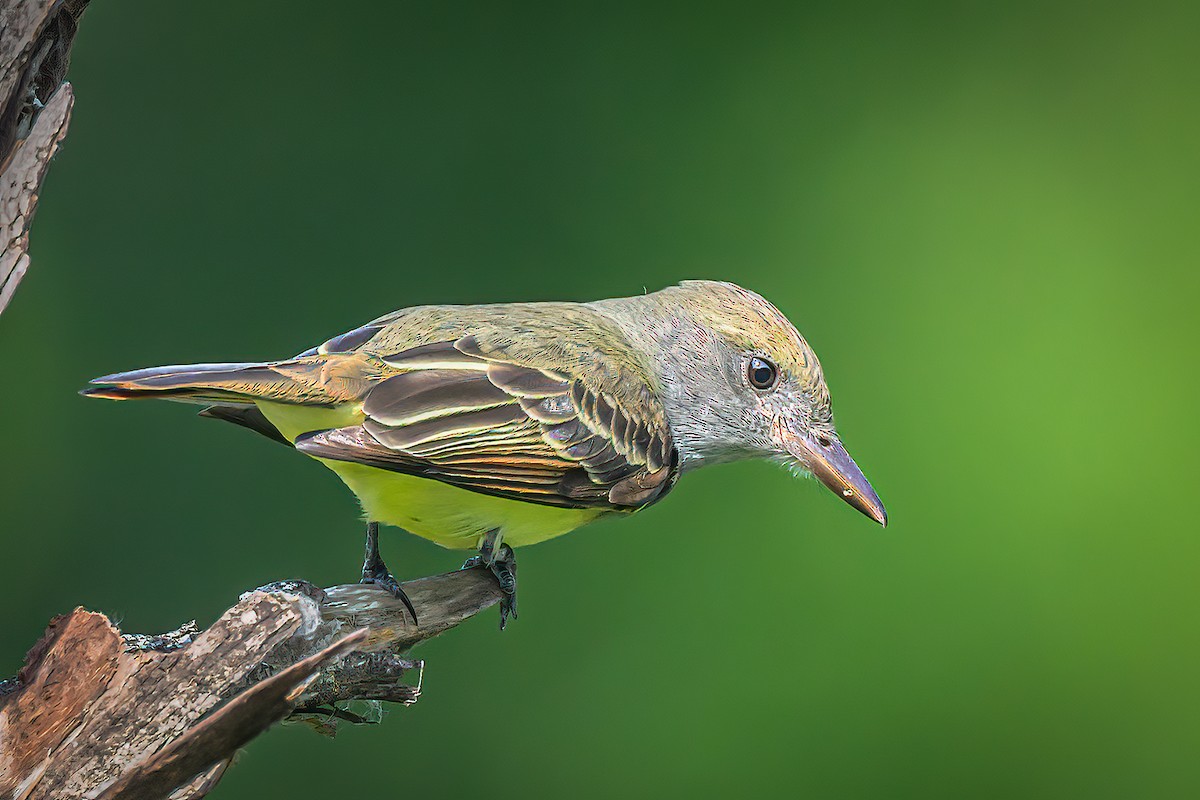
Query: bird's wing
{"points": [[480, 417]]}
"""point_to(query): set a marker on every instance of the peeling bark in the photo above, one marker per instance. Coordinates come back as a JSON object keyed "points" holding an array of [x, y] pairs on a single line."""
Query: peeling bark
{"points": [[95, 713], [98, 714], [35, 50]]}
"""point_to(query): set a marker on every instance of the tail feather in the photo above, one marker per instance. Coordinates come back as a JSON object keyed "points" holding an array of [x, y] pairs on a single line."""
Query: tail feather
{"points": [[321, 380], [231, 391], [176, 371], [236, 383], [247, 417]]}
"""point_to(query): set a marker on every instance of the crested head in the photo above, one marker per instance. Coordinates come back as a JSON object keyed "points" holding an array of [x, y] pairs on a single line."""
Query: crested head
{"points": [[739, 381], [751, 325]]}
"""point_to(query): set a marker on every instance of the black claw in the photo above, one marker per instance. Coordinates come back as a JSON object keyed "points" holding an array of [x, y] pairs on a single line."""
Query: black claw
{"points": [[502, 563], [508, 608], [388, 582], [375, 572]]}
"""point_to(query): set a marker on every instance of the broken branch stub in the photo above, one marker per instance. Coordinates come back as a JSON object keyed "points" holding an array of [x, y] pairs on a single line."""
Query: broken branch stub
{"points": [[100, 714]]}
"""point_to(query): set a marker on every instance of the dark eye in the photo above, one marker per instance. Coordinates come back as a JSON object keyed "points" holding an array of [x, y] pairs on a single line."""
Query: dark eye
{"points": [[761, 373]]}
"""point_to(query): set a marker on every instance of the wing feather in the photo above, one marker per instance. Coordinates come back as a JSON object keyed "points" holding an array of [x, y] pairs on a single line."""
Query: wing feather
{"points": [[438, 428], [412, 397], [465, 414]]}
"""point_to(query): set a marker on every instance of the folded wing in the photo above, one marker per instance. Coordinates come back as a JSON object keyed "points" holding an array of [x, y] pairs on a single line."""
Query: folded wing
{"points": [[479, 420]]}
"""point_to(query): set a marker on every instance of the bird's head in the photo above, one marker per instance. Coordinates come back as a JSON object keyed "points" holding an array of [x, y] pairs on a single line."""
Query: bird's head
{"points": [[753, 387]]}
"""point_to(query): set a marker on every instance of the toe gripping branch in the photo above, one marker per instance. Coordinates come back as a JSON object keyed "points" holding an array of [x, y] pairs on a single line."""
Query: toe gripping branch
{"points": [[375, 572], [499, 559], [494, 556]]}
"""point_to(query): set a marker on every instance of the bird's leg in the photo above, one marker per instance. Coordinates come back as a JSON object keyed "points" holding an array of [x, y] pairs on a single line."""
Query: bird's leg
{"points": [[502, 562], [376, 572]]}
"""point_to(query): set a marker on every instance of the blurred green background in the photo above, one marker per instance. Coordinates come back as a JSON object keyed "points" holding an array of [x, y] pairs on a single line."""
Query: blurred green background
{"points": [[983, 218]]}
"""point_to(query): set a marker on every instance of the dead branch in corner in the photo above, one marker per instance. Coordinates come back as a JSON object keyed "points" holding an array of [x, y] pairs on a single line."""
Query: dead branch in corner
{"points": [[100, 714], [35, 49]]}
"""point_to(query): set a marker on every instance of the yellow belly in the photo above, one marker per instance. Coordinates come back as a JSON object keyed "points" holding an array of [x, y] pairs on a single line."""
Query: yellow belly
{"points": [[453, 517], [445, 514]]}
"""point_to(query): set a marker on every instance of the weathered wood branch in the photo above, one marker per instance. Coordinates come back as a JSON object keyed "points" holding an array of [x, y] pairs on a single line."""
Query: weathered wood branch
{"points": [[35, 108], [99, 714]]}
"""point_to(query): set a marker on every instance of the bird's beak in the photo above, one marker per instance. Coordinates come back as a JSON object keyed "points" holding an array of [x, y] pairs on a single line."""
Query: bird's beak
{"points": [[832, 465]]}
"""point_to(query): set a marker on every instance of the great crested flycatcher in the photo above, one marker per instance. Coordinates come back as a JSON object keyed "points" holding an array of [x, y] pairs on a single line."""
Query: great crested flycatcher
{"points": [[496, 426]]}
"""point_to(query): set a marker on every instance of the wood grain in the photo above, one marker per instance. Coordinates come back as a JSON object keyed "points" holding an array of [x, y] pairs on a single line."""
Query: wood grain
{"points": [[100, 714]]}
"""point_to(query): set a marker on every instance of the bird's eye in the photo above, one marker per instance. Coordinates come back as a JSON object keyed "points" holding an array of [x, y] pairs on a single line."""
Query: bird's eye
{"points": [[761, 373]]}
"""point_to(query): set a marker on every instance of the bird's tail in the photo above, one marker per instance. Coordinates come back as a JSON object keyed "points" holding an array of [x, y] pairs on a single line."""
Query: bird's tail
{"points": [[298, 380]]}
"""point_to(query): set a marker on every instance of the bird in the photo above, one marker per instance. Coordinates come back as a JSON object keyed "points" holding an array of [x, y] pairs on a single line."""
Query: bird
{"points": [[495, 426]]}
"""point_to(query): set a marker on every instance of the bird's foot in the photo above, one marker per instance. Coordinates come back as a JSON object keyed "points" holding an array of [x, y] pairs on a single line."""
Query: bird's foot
{"points": [[501, 562], [374, 571]]}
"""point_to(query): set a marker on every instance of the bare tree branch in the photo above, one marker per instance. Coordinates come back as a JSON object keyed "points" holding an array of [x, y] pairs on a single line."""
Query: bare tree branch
{"points": [[232, 726], [99, 714], [95, 713]]}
